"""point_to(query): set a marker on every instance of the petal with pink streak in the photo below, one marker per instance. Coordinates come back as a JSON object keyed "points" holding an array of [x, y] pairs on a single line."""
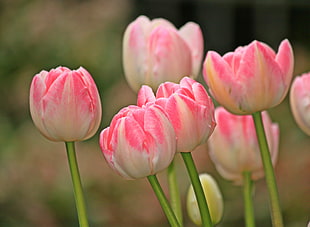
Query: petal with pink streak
{"points": [[135, 51], [166, 89], [201, 96], [234, 148], [222, 82], [105, 143], [37, 91], [145, 95], [128, 161], [259, 74], [169, 56], [192, 34], [233, 59], [285, 59], [300, 101], [183, 113]]}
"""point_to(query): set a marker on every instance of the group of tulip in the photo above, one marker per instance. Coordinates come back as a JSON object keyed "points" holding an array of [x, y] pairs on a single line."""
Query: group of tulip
{"points": [[143, 139]]}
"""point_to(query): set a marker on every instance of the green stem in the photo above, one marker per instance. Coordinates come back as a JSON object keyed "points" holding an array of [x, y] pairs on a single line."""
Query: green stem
{"points": [[247, 197], [175, 200], [163, 201], [201, 199], [276, 215], [77, 185]]}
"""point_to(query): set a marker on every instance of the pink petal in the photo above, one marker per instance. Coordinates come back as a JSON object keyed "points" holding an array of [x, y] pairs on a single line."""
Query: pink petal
{"points": [[135, 51], [192, 34], [259, 74], [166, 89], [217, 66], [285, 59], [145, 95], [169, 56]]}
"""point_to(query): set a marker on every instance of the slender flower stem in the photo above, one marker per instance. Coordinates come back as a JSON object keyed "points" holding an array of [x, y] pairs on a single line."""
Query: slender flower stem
{"points": [[276, 215], [247, 197], [163, 201], [77, 185], [175, 200], [201, 199]]}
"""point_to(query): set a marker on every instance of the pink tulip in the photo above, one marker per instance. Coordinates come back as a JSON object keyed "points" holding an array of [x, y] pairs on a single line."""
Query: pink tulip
{"points": [[234, 148], [189, 108], [300, 101], [251, 79], [155, 52], [65, 104], [139, 142]]}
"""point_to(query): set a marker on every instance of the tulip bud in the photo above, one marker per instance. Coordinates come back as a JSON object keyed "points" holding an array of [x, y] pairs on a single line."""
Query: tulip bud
{"points": [[155, 52], [213, 197], [189, 108], [250, 79], [65, 104], [139, 142], [234, 148], [300, 101]]}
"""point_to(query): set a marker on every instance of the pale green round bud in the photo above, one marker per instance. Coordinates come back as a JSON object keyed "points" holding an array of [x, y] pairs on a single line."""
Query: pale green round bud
{"points": [[214, 200]]}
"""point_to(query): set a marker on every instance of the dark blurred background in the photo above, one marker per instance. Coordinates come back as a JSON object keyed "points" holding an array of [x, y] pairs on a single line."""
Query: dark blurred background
{"points": [[35, 184]]}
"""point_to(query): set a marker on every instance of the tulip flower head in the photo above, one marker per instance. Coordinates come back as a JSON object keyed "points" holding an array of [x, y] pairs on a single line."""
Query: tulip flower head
{"points": [[250, 79], [65, 104], [154, 51], [300, 101], [139, 142], [189, 108], [234, 148], [213, 197]]}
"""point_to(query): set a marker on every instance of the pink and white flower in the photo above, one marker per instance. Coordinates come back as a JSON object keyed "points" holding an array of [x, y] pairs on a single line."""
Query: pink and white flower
{"points": [[300, 101], [234, 148], [154, 51], [139, 142], [250, 79], [65, 104], [189, 108]]}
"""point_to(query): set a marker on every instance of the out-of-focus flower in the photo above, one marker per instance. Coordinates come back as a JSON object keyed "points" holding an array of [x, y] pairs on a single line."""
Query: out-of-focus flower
{"points": [[139, 142], [154, 51], [234, 148], [300, 101], [189, 107], [250, 79], [65, 104], [213, 197]]}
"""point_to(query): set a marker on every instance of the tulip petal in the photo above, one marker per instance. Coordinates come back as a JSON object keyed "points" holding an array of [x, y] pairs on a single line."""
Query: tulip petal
{"points": [[166, 89], [234, 148], [135, 51], [169, 57], [145, 95], [285, 59], [259, 72], [192, 34], [142, 142], [300, 101], [221, 81]]}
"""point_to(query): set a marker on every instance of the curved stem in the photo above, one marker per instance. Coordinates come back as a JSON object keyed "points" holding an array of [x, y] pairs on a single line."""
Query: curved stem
{"points": [[163, 201], [201, 199], [247, 197], [276, 215], [77, 185], [175, 200]]}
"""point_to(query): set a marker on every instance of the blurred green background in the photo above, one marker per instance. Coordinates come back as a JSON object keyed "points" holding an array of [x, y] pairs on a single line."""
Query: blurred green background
{"points": [[35, 184]]}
